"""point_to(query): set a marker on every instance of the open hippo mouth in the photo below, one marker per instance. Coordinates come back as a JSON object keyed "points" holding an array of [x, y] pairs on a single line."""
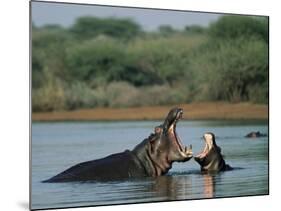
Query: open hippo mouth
{"points": [[207, 148], [170, 125]]}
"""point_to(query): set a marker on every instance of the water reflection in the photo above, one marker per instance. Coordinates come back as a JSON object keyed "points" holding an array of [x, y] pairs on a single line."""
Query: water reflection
{"points": [[209, 185], [172, 187], [181, 187]]}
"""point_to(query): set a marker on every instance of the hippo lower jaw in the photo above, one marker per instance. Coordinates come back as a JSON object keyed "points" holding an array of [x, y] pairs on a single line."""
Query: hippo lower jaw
{"points": [[186, 154]]}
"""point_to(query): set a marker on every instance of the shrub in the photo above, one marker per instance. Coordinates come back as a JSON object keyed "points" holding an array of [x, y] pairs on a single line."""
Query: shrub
{"points": [[48, 54], [235, 26], [122, 94], [79, 95], [89, 27], [50, 97], [161, 95], [229, 69], [164, 60], [101, 57]]}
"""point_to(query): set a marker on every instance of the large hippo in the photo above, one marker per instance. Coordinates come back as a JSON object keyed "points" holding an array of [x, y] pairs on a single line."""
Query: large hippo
{"points": [[152, 157], [211, 159]]}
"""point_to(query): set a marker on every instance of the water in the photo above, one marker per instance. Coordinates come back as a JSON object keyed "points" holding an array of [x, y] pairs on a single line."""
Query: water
{"points": [[57, 146]]}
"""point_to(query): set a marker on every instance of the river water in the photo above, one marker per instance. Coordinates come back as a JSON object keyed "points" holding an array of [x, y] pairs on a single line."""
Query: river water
{"points": [[57, 146]]}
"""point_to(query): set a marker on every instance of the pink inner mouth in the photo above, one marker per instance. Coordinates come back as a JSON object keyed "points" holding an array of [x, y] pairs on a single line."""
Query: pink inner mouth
{"points": [[206, 150], [177, 139]]}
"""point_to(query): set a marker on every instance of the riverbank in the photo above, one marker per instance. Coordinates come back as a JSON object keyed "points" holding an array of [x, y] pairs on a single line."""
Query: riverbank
{"points": [[193, 111]]}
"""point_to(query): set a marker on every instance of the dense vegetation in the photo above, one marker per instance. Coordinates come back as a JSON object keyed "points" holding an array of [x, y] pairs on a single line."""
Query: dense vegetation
{"points": [[114, 63]]}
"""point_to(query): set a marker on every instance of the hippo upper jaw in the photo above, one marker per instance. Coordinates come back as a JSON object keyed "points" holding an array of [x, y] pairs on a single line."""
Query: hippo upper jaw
{"points": [[183, 153], [209, 145]]}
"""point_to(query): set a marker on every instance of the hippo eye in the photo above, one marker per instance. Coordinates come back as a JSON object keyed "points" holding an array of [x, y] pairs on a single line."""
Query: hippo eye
{"points": [[158, 130]]}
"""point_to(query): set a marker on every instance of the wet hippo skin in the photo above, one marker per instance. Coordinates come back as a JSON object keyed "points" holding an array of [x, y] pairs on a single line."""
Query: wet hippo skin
{"points": [[152, 157], [257, 134]]}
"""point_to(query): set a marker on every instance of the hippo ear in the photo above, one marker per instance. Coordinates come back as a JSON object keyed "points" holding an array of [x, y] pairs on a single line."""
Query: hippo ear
{"points": [[158, 130], [154, 140]]}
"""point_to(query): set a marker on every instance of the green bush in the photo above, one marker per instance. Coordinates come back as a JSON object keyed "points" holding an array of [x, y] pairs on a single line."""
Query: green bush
{"points": [[228, 70], [165, 60], [194, 29], [89, 27], [113, 63], [235, 26], [48, 54], [101, 57]]}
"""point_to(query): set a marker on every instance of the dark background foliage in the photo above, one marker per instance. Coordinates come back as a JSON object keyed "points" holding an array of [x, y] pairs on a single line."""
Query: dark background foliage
{"points": [[114, 63]]}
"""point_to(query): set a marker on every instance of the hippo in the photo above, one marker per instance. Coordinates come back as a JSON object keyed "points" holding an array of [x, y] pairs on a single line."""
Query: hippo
{"points": [[257, 134], [211, 159], [151, 158]]}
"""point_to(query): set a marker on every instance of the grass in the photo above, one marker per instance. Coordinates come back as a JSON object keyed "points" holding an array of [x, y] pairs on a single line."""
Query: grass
{"points": [[193, 111]]}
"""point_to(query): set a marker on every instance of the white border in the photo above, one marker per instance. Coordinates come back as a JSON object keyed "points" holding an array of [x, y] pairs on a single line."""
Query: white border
{"points": [[15, 103]]}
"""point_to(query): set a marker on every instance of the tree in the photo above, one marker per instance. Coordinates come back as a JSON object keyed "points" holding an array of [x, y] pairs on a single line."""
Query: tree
{"points": [[194, 29], [166, 30], [235, 26], [89, 27]]}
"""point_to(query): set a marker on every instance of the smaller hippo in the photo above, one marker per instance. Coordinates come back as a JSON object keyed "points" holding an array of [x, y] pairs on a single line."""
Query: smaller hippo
{"points": [[211, 159], [257, 134]]}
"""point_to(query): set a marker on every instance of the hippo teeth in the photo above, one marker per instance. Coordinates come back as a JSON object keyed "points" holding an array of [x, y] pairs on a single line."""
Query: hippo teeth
{"points": [[188, 150]]}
